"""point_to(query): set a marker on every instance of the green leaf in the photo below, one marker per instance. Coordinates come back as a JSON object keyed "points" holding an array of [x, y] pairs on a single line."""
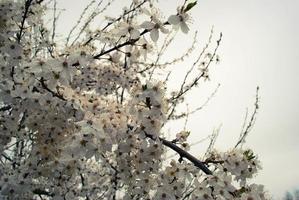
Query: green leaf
{"points": [[249, 155], [190, 6]]}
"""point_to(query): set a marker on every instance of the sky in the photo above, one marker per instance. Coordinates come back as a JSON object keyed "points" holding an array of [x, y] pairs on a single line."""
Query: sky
{"points": [[260, 47]]}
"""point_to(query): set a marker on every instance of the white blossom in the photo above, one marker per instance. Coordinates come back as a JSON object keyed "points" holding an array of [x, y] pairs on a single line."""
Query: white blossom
{"points": [[180, 21]]}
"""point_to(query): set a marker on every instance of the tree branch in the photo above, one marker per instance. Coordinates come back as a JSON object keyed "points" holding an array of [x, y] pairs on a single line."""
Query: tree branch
{"points": [[182, 92], [252, 120], [129, 42], [27, 6], [55, 94], [42, 192], [183, 154], [118, 19], [5, 108]]}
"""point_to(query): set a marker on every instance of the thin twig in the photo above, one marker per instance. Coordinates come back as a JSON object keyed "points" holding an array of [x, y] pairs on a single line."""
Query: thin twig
{"points": [[183, 91], [213, 140], [116, 20], [55, 94], [27, 6], [54, 20], [251, 123], [166, 44], [79, 20], [176, 117], [91, 17]]}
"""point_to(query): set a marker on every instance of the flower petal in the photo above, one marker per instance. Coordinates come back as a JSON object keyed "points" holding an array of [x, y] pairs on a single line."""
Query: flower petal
{"points": [[147, 25], [164, 30], [122, 32], [134, 34], [184, 27], [154, 35], [146, 11], [174, 19]]}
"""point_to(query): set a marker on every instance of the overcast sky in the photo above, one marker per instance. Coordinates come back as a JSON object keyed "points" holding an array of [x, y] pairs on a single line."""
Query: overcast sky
{"points": [[260, 47]]}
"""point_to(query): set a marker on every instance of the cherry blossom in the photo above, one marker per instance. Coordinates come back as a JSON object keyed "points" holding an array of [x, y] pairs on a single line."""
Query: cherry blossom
{"points": [[180, 20], [128, 29], [155, 25]]}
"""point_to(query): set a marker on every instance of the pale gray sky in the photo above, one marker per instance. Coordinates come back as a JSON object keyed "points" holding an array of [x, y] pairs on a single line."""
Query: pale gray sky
{"points": [[260, 47]]}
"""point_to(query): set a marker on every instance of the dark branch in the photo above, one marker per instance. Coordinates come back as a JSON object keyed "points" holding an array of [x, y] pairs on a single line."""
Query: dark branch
{"points": [[27, 6], [42, 192], [183, 154], [129, 42], [5, 108], [55, 94]]}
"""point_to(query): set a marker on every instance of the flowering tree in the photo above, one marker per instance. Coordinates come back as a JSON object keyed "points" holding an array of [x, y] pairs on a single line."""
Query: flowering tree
{"points": [[84, 119]]}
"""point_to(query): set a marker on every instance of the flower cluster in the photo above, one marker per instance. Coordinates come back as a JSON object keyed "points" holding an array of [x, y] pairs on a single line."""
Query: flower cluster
{"points": [[242, 164]]}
